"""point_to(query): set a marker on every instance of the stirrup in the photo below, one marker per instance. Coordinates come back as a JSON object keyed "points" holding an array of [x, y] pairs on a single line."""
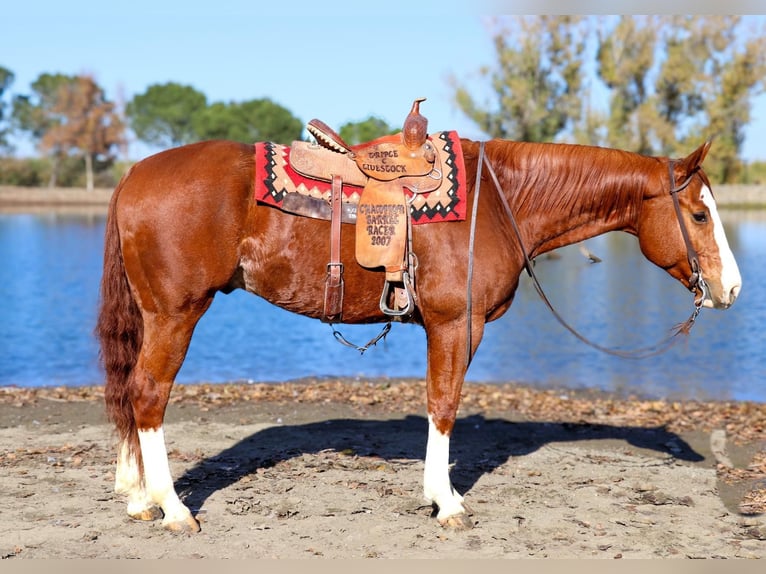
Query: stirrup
{"points": [[408, 309]]}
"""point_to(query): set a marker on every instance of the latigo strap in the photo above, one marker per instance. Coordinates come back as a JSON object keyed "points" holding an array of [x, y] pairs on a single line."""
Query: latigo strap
{"points": [[333, 290]]}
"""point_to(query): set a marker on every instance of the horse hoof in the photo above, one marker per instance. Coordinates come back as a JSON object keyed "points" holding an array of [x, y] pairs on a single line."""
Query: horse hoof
{"points": [[147, 514], [187, 526], [457, 522]]}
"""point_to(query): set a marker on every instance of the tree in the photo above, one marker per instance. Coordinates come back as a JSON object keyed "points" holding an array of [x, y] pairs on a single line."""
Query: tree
{"points": [[34, 114], [164, 114], [87, 124], [6, 79], [625, 57], [354, 133], [268, 121], [730, 68], [247, 122], [670, 82], [729, 110], [538, 82], [706, 70]]}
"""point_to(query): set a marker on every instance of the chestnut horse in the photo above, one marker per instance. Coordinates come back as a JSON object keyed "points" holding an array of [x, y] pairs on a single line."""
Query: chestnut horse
{"points": [[183, 225]]}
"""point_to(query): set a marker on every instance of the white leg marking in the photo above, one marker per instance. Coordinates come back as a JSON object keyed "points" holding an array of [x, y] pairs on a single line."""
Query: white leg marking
{"points": [[127, 481], [731, 280], [437, 487], [159, 483], [126, 478]]}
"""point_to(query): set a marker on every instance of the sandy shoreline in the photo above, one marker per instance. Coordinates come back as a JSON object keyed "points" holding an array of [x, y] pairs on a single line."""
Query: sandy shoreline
{"points": [[333, 468], [33, 200], [16, 198]]}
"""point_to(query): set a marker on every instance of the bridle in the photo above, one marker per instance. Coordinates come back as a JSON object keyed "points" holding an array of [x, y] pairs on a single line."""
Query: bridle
{"points": [[696, 280]]}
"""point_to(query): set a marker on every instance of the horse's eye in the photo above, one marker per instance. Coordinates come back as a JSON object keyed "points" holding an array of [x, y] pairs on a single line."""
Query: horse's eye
{"points": [[700, 217]]}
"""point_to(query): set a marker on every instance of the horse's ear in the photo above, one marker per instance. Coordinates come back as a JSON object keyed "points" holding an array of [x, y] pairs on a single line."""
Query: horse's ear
{"points": [[695, 159]]}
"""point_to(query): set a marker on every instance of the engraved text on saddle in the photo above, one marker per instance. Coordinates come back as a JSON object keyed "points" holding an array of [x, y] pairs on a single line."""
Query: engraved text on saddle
{"points": [[381, 222]]}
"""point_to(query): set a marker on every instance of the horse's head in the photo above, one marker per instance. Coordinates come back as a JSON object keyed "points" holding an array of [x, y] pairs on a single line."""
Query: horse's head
{"points": [[661, 232]]}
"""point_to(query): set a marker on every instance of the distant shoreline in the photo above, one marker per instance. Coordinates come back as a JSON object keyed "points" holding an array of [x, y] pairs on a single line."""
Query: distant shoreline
{"points": [[17, 195], [17, 199]]}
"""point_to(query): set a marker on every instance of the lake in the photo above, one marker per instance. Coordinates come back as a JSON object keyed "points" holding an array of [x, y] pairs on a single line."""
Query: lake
{"points": [[51, 267]]}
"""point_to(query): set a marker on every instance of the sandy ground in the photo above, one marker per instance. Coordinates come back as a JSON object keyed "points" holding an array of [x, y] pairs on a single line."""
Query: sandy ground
{"points": [[293, 472]]}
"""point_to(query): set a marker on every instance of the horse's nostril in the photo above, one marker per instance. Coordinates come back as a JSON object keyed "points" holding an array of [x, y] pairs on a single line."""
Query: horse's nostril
{"points": [[734, 293]]}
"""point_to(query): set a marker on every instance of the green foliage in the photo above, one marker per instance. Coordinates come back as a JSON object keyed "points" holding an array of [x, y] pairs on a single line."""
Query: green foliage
{"points": [[247, 122], [625, 57], [170, 115], [267, 121], [27, 172], [6, 79], [69, 116], [728, 107], [671, 82], [354, 133], [89, 126], [37, 172], [33, 113], [538, 81], [215, 122], [164, 114], [754, 173]]}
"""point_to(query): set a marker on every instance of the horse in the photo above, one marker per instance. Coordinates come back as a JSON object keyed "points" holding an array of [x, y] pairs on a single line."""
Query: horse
{"points": [[183, 225]]}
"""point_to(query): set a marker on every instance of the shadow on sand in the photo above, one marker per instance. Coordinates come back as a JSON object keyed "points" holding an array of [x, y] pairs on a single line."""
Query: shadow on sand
{"points": [[405, 438]]}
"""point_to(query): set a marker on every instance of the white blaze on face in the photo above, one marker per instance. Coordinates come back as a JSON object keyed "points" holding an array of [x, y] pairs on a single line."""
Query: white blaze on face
{"points": [[731, 280]]}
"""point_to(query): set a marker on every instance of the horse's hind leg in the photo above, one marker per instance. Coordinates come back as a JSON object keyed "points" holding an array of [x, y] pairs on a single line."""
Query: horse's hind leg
{"points": [[129, 480], [166, 340]]}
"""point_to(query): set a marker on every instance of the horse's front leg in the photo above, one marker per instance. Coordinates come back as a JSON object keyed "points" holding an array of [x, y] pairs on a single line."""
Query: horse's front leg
{"points": [[437, 486], [447, 366]]}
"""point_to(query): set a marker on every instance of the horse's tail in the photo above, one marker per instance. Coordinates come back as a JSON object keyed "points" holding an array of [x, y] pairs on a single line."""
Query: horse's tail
{"points": [[120, 330]]}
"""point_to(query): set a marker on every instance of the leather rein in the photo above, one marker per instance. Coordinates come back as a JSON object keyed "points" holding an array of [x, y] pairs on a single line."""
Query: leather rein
{"points": [[696, 280]]}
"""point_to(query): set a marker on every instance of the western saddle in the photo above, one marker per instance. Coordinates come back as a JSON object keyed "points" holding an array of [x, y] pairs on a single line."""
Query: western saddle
{"points": [[383, 167]]}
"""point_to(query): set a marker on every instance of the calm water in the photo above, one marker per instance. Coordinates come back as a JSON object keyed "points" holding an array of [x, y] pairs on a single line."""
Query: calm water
{"points": [[51, 264]]}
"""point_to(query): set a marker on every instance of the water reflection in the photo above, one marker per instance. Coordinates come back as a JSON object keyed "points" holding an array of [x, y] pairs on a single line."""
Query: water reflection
{"points": [[626, 302]]}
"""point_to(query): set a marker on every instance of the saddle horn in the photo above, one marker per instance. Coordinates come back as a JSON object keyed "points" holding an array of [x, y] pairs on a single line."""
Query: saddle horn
{"points": [[415, 130]]}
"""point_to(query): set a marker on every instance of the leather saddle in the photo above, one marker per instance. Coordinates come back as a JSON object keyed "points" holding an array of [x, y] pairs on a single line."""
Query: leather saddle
{"points": [[383, 168]]}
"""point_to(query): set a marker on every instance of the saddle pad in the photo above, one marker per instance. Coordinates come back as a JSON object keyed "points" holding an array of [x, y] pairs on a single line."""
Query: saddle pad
{"points": [[274, 179]]}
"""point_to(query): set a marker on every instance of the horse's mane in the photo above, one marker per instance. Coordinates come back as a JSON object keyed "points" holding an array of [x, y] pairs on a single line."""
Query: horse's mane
{"points": [[571, 179]]}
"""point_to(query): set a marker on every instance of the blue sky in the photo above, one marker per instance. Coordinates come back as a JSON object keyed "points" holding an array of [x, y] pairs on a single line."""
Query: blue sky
{"points": [[310, 57]]}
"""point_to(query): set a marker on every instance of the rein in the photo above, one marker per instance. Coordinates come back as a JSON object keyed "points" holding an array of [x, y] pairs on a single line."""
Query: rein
{"points": [[361, 348], [695, 281], [471, 241]]}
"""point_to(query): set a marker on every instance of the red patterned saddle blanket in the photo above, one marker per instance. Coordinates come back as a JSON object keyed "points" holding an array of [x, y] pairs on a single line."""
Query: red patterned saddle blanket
{"points": [[279, 184]]}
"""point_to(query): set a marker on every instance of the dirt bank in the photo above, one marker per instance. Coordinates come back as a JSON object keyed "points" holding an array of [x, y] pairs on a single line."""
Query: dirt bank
{"points": [[16, 197], [333, 469]]}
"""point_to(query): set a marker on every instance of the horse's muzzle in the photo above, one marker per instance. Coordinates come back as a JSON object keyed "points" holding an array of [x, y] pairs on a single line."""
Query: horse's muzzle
{"points": [[724, 300]]}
